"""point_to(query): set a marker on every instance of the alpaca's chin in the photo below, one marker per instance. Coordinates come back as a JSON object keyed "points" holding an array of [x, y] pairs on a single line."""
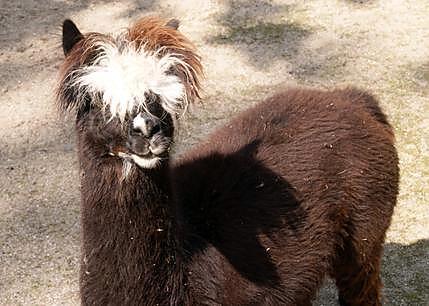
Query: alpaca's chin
{"points": [[146, 162]]}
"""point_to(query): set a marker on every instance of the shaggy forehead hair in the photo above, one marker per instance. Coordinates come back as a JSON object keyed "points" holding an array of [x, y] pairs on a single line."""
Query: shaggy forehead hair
{"points": [[119, 72]]}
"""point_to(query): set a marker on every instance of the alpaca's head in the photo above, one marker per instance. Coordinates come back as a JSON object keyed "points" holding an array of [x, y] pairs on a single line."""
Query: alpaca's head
{"points": [[126, 89]]}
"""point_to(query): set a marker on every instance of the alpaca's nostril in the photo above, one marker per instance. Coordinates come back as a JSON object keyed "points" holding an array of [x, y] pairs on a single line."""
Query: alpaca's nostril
{"points": [[136, 130], [146, 124]]}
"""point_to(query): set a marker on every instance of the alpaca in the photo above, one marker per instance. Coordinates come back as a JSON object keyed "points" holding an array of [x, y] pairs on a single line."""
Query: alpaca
{"points": [[299, 187]]}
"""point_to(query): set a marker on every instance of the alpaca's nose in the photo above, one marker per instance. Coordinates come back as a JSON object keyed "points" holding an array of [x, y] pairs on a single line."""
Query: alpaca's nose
{"points": [[146, 125]]}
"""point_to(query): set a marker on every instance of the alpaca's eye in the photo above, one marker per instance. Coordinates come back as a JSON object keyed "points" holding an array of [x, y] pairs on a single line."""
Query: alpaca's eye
{"points": [[171, 70]]}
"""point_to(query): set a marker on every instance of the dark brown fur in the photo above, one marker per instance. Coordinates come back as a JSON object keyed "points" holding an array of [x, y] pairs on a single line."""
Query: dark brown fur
{"points": [[299, 187]]}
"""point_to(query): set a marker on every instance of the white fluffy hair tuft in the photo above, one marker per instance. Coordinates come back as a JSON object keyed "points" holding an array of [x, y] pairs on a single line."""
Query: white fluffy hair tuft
{"points": [[127, 167], [120, 79]]}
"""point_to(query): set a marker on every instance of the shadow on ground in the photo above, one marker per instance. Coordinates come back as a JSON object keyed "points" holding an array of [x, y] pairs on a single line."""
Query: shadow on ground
{"points": [[405, 273], [27, 37], [244, 27], [47, 16], [361, 2], [284, 38], [139, 8], [421, 77], [39, 227]]}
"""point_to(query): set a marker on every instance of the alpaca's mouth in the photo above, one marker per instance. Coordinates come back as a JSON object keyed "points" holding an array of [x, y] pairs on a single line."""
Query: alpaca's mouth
{"points": [[146, 152], [147, 161]]}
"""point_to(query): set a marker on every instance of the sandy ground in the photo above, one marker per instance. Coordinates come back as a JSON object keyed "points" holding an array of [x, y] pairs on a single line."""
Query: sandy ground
{"points": [[250, 49]]}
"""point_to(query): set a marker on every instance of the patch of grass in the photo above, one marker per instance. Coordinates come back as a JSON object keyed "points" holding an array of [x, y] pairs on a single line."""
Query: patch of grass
{"points": [[262, 32]]}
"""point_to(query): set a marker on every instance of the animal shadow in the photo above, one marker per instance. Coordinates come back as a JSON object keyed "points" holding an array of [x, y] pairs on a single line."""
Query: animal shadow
{"points": [[241, 207]]}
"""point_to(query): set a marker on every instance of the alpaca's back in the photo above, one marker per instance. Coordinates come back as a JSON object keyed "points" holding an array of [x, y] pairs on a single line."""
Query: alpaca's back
{"points": [[276, 198]]}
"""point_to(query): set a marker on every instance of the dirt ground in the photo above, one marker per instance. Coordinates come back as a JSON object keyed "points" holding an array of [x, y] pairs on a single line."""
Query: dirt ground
{"points": [[250, 49]]}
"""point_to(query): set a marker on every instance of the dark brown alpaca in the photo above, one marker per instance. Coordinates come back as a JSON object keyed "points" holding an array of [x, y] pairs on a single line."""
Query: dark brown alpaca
{"points": [[297, 188]]}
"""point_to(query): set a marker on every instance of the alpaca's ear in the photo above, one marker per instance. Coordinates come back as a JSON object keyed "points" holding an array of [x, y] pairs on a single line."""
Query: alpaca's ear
{"points": [[173, 23], [71, 35]]}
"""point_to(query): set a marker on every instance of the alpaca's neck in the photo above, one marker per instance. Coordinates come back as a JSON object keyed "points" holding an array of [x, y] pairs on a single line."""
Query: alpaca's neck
{"points": [[132, 245]]}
